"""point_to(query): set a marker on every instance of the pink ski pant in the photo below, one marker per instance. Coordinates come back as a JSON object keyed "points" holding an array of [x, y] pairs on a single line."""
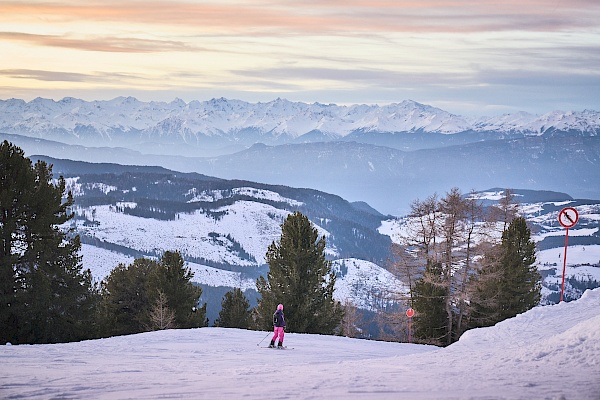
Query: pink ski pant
{"points": [[278, 331]]}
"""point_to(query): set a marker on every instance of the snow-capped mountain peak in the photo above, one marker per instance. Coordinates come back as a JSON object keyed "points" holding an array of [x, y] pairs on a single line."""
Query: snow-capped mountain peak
{"points": [[128, 119]]}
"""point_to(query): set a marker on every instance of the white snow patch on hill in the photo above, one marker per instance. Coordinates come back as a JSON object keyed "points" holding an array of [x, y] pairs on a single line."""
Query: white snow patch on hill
{"points": [[365, 283], [101, 261], [214, 195]]}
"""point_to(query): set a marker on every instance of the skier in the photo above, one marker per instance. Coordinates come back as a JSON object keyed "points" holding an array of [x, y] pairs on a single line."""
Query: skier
{"points": [[278, 327]]}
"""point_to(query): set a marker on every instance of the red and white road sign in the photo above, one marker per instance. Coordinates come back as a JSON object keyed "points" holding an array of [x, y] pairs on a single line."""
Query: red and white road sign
{"points": [[568, 217], [410, 312]]}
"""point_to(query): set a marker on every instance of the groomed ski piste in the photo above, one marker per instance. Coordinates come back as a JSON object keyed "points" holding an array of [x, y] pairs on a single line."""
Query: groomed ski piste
{"points": [[550, 352]]}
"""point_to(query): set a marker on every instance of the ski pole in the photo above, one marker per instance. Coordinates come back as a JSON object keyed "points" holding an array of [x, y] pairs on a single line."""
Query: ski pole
{"points": [[258, 344]]}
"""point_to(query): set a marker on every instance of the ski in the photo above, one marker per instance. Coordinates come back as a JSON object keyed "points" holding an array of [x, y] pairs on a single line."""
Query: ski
{"points": [[278, 348]]}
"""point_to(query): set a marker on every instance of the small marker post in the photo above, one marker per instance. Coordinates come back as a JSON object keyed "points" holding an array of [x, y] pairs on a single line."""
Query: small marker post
{"points": [[409, 313]]}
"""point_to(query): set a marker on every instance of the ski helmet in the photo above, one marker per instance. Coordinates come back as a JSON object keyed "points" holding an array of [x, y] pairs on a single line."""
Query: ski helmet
{"points": [[280, 307]]}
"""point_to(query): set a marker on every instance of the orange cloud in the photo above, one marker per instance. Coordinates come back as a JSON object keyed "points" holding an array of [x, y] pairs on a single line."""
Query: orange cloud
{"points": [[321, 17]]}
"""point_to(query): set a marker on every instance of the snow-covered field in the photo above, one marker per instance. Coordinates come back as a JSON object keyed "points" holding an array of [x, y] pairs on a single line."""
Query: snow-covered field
{"points": [[550, 352]]}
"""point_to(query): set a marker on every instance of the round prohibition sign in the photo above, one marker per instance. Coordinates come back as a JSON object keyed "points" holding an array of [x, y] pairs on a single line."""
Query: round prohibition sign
{"points": [[410, 312], [568, 217]]}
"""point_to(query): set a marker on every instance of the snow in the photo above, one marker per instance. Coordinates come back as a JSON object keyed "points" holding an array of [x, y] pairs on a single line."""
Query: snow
{"points": [[101, 261], [550, 352], [193, 234], [218, 117], [214, 195], [576, 255], [368, 285]]}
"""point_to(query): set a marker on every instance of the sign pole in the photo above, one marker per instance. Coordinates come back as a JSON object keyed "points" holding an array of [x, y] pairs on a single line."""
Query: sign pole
{"points": [[567, 217], [562, 289]]}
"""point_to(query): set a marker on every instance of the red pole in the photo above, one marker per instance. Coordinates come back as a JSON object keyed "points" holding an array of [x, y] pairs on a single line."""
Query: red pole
{"points": [[562, 290]]}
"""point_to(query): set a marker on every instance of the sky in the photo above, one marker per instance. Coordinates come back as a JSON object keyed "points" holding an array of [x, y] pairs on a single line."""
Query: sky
{"points": [[549, 352], [467, 57]]}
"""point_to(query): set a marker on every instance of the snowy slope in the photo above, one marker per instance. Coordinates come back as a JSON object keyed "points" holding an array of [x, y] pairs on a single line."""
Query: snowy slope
{"points": [[126, 119], [205, 240], [550, 352], [102, 261], [365, 284], [254, 225]]}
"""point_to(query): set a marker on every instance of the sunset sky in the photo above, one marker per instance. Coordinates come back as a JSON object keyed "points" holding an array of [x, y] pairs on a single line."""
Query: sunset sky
{"points": [[468, 57]]}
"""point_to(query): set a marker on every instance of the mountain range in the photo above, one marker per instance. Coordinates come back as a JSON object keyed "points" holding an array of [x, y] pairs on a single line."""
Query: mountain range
{"points": [[386, 156], [221, 125]]}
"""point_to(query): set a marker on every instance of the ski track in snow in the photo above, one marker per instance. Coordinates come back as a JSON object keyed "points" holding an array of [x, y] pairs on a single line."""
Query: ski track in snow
{"points": [[550, 352]]}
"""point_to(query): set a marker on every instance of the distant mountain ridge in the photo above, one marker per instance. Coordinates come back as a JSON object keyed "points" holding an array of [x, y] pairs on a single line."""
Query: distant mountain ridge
{"points": [[386, 178], [126, 121]]}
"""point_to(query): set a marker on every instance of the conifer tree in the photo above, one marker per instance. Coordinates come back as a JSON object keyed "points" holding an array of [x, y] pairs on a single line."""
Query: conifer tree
{"points": [[429, 301], [126, 298], [509, 284], [301, 278], [174, 280], [131, 293], [235, 310], [16, 181], [46, 296]]}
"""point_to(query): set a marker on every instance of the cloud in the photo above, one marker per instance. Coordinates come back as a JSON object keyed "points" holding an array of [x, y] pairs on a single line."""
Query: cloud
{"points": [[331, 17], [46, 75], [353, 76], [99, 43], [62, 76]]}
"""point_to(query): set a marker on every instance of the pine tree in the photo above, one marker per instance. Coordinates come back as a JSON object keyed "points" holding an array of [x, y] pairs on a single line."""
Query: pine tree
{"points": [[126, 298], [235, 310], [16, 181], [174, 279], [522, 277], [429, 301], [301, 278], [46, 295], [131, 293], [509, 284]]}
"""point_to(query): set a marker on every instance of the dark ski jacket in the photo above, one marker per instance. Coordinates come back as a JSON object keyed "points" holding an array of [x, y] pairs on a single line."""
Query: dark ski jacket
{"points": [[278, 319]]}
